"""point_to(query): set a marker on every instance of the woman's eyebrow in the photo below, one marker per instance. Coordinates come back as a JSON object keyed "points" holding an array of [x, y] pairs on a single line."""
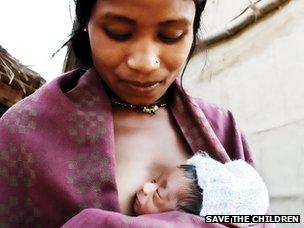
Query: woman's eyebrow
{"points": [[176, 22], [117, 18]]}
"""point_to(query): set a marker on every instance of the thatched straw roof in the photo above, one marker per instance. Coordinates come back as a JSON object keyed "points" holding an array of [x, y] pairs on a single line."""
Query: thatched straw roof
{"points": [[16, 80]]}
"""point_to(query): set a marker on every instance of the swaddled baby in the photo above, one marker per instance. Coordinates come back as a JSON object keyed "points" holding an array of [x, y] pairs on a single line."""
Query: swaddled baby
{"points": [[204, 186]]}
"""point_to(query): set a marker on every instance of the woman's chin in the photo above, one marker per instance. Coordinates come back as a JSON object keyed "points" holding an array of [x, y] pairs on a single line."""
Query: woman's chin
{"points": [[144, 99]]}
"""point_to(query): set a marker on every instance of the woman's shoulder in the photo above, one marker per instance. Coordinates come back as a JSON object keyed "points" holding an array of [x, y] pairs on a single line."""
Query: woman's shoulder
{"points": [[59, 86], [217, 116], [44, 103], [74, 99], [49, 95], [227, 130]]}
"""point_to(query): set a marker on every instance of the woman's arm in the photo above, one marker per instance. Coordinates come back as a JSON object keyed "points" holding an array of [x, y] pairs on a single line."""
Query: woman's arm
{"points": [[98, 218]]}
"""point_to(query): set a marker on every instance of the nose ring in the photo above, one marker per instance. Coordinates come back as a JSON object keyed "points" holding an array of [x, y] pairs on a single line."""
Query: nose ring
{"points": [[136, 62]]}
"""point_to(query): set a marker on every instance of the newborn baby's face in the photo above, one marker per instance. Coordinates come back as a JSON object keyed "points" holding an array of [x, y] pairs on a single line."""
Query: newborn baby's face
{"points": [[161, 194]]}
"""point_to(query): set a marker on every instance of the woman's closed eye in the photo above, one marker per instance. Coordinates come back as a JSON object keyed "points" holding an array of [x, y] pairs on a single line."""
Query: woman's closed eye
{"points": [[169, 38], [171, 35], [118, 34]]}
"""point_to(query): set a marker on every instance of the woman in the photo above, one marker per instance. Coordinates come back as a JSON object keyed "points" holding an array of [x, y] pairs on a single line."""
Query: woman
{"points": [[90, 139]]}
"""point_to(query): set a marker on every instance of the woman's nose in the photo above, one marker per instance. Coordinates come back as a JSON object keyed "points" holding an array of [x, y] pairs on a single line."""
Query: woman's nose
{"points": [[143, 63], [149, 187], [144, 57]]}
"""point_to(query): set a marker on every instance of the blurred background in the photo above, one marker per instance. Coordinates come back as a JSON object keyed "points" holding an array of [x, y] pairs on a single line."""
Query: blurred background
{"points": [[251, 62], [33, 30], [259, 75]]}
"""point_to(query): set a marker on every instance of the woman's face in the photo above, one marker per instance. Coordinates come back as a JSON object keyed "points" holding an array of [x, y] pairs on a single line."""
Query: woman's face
{"points": [[139, 46], [162, 194]]}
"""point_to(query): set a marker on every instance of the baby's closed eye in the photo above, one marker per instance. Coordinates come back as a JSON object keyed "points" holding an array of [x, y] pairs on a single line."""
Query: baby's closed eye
{"points": [[158, 194]]}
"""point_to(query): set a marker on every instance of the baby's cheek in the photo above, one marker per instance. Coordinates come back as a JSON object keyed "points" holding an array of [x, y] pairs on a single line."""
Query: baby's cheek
{"points": [[149, 208]]}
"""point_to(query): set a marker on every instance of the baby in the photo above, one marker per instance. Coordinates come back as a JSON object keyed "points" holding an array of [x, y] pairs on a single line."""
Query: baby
{"points": [[205, 186]]}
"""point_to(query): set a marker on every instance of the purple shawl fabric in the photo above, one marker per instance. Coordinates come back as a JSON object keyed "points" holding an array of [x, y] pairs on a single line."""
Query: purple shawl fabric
{"points": [[57, 155]]}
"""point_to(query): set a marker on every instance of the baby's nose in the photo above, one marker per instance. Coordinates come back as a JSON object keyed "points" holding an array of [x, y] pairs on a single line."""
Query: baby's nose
{"points": [[149, 187]]}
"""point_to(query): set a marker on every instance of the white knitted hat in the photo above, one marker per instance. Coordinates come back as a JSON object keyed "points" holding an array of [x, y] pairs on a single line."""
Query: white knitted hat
{"points": [[234, 188]]}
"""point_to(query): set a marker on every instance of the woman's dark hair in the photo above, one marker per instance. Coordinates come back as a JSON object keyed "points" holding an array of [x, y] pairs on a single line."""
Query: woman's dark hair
{"points": [[191, 200], [80, 40]]}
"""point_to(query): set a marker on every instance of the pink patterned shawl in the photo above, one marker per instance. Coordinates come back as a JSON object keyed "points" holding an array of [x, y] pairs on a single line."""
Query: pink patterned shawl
{"points": [[57, 155]]}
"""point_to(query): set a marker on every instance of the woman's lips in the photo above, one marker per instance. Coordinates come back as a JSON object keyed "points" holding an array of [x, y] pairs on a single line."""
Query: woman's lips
{"points": [[142, 84], [141, 87]]}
